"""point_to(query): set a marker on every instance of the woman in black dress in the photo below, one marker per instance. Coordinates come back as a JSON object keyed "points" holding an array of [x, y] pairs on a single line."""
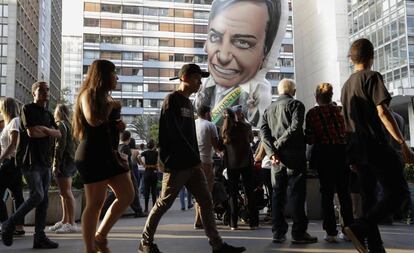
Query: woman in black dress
{"points": [[238, 159], [96, 124]]}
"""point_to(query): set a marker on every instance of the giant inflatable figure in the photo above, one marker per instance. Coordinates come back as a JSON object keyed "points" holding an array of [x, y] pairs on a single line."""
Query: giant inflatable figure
{"points": [[244, 37]]}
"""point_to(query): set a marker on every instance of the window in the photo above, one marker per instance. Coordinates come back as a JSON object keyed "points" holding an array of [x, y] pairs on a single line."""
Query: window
{"points": [[184, 28], [110, 39], [162, 12], [111, 55], [151, 42], [167, 87], [166, 57], [131, 9], [132, 40], [114, 8], [91, 54], [91, 38], [150, 11], [166, 42], [151, 26], [94, 7], [129, 71], [152, 72], [111, 23], [288, 35], [166, 72], [166, 27], [91, 22], [201, 14], [200, 29], [199, 43], [132, 56], [148, 56], [287, 48], [131, 25]]}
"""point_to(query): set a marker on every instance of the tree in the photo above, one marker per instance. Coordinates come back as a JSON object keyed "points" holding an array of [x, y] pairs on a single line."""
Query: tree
{"points": [[145, 126]]}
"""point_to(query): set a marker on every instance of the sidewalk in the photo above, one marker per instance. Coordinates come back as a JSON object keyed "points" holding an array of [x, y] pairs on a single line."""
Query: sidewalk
{"points": [[176, 235]]}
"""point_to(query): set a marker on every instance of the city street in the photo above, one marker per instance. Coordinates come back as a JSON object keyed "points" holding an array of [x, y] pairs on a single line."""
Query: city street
{"points": [[176, 234]]}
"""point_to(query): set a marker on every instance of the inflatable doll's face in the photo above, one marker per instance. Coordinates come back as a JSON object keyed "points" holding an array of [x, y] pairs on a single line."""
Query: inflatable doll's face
{"points": [[235, 43]]}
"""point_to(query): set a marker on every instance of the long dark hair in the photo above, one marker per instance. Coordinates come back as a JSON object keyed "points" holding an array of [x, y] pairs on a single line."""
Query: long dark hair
{"points": [[97, 85], [229, 122]]}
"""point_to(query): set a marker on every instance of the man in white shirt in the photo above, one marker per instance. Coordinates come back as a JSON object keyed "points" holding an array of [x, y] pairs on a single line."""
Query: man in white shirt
{"points": [[207, 138]]}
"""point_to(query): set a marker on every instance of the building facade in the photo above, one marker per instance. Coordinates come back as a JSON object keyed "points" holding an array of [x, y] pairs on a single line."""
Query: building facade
{"points": [[71, 66], [389, 25], [149, 41], [30, 46]]}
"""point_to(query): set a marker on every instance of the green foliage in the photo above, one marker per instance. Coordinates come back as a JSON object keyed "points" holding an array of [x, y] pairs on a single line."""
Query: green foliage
{"points": [[145, 126], [409, 172]]}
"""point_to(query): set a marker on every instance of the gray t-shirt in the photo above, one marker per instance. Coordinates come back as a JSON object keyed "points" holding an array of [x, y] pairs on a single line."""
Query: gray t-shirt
{"points": [[206, 130]]}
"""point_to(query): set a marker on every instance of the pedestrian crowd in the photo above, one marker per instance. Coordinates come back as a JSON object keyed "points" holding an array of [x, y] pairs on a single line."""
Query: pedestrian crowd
{"points": [[228, 170]]}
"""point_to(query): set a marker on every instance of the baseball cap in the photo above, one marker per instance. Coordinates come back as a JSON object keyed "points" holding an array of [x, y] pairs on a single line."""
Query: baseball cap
{"points": [[188, 69]]}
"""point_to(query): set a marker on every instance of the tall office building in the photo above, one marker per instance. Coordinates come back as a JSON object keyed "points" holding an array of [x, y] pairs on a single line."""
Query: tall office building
{"points": [[71, 66], [30, 47], [389, 24], [149, 41]]}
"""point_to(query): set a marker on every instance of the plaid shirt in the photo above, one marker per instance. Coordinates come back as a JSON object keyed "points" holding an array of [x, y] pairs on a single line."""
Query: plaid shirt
{"points": [[325, 125]]}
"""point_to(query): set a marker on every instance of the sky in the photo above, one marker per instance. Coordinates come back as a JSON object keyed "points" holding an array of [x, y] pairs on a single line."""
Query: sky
{"points": [[72, 17]]}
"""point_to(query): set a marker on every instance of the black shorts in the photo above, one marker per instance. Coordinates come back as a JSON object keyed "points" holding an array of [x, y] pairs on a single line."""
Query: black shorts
{"points": [[66, 171]]}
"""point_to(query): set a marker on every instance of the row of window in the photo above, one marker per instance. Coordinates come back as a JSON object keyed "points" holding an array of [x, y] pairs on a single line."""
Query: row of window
{"points": [[145, 26], [142, 41], [149, 11], [146, 56]]}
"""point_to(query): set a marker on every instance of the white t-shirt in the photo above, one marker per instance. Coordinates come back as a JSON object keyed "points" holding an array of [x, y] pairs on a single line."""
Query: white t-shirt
{"points": [[13, 125], [206, 130]]}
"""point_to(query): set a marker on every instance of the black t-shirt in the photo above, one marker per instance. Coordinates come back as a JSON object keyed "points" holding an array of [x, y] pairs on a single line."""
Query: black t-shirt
{"points": [[361, 93], [151, 157], [177, 134], [34, 151]]}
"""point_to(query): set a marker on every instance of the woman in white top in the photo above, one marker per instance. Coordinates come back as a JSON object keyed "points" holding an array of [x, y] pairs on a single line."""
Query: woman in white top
{"points": [[10, 176]]}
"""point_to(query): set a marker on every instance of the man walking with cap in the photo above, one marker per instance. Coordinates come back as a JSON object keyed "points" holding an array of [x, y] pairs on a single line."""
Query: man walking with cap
{"points": [[180, 158]]}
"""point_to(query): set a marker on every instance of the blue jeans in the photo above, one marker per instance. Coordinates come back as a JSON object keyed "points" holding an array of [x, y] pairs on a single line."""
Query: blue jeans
{"points": [[182, 198], [296, 180], [38, 180]]}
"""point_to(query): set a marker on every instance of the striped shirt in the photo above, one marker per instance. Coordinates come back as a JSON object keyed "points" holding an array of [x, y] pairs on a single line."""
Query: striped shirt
{"points": [[325, 125]]}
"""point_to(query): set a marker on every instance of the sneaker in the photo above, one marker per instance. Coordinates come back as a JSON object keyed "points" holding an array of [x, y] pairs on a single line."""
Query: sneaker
{"points": [[150, 248], [233, 228], [67, 229], [357, 236], [44, 243], [18, 233], [190, 206], [342, 236], [278, 238], [330, 238], [304, 239], [227, 248], [55, 227], [7, 231], [182, 208]]}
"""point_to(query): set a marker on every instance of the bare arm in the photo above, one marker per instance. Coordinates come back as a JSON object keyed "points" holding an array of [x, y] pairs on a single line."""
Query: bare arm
{"points": [[391, 125], [260, 154], [12, 146], [42, 131]]}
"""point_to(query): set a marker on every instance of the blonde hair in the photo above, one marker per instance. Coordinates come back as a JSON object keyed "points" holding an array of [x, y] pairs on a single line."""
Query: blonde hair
{"points": [[61, 113], [9, 108], [324, 92], [286, 87]]}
